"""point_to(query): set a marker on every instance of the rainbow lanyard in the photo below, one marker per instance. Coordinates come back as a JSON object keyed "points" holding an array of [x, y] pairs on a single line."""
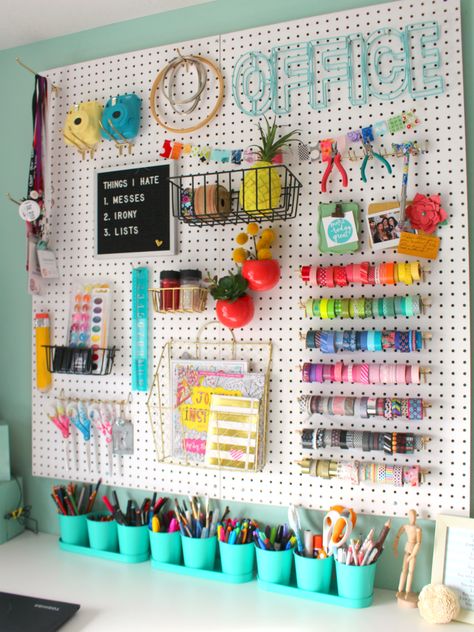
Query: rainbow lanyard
{"points": [[140, 329], [35, 175]]}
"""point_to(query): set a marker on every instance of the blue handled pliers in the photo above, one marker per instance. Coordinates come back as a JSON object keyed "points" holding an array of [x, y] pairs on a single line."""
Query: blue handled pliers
{"points": [[370, 153]]}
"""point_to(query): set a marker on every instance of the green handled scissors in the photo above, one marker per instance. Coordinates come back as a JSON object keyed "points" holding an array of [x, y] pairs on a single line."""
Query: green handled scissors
{"points": [[370, 153]]}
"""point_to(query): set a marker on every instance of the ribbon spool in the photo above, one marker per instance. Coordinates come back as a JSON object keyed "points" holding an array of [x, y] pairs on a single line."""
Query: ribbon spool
{"points": [[211, 200]]}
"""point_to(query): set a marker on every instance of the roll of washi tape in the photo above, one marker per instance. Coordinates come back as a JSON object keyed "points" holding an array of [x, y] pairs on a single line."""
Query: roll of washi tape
{"points": [[390, 273], [368, 308], [415, 270], [415, 374], [313, 271], [362, 340], [310, 340], [323, 308], [306, 372], [321, 277], [337, 307], [382, 267], [371, 341], [350, 273], [384, 373], [409, 311], [316, 308], [364, 272], [305, 273], [338, 405], [308, 306], [374, 373], [211, 200], [379, 304], [345, 313], [327, 372], [363, 374], [377, 275], [351, 308], [360, 307], [399, 306], [371, 275], [378, 341], [417, 304], [338, 369], [389, 306], [395, 273], [330, 277], [327, 342], [400, 373], [356, 273], [331, 308], [340, 277]]}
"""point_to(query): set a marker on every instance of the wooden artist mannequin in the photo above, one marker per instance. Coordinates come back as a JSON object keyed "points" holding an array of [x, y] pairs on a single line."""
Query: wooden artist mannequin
{"points": [[414, 536]]}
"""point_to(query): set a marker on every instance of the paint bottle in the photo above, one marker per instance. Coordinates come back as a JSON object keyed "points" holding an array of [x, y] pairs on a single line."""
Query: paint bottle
{"points": [[169, 295]]}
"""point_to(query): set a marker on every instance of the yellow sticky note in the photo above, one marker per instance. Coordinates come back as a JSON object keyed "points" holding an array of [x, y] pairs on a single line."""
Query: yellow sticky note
{"points": [[418, 245]]}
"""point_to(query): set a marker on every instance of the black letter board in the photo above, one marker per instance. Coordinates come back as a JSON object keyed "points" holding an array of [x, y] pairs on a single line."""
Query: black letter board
{"points": [[134, 212]]}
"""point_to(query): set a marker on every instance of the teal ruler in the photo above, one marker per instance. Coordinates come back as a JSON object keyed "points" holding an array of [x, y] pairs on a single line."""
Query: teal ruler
{"points": [[140, 329]]}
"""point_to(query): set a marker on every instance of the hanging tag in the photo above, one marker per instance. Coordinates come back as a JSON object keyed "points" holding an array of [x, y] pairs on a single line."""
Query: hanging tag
{"points": [[29, 210], [47, 263], [122, 437], [32, 264]]}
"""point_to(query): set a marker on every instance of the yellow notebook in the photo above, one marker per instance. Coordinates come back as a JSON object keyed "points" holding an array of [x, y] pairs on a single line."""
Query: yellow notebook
{"points": [[232, 434]]}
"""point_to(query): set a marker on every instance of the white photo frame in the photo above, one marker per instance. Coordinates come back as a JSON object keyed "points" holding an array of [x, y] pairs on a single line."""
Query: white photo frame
{"points": [[453, 560]]}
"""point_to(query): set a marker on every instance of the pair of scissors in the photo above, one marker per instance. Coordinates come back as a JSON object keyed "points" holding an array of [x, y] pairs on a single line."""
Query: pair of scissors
{"points": [[330, 154], [370, 153], [337, 527]]}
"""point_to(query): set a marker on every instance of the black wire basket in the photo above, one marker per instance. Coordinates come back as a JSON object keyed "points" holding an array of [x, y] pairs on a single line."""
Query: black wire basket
{"points": [[79, 361], [262, 194]]}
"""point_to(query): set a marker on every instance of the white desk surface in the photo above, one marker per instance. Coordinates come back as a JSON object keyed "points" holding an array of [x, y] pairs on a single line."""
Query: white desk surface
{"points": [[119, 597]]}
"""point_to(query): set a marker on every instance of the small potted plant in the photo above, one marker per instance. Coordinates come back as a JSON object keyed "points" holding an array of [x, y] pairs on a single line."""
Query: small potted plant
{"points": [[261, 271], [261, 186], [234, 307]]}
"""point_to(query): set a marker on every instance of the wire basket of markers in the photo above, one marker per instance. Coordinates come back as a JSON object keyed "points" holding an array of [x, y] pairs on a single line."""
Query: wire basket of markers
{"points": [[262, 194], [79, 360]]}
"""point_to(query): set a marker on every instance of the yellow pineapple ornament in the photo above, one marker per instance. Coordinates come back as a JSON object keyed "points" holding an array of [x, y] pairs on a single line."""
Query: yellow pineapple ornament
{"points": [[261, 188]]}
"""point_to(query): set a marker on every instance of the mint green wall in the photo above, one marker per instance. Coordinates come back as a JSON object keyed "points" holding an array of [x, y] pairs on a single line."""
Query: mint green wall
{"points": [[15, 140]]}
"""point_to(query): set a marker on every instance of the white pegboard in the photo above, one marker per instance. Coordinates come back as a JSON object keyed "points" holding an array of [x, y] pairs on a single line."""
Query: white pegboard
{"points": [[278, 316]]}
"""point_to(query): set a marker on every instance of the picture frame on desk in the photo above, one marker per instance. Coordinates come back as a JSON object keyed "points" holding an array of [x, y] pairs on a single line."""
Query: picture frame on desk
{"points": [[453, 560], [133, 215]]}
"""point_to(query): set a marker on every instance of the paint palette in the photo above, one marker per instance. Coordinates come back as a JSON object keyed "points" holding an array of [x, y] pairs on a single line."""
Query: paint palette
{"points": [[89, 319]]}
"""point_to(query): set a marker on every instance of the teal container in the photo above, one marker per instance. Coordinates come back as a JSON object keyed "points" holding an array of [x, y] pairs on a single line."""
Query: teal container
{"points": [[199, 552], [355, 582], [73, 529], [274, 566], [313, 574], [237, 559], [166, 547], [133, 540], [102, 535]]}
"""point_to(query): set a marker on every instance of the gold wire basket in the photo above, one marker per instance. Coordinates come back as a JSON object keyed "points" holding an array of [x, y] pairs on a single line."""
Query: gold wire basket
{"points": [[185, 300], [168, 432]]}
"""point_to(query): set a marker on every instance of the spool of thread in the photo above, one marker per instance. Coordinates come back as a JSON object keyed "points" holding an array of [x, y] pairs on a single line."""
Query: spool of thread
{"points": [[212, 200], [42, 338]]}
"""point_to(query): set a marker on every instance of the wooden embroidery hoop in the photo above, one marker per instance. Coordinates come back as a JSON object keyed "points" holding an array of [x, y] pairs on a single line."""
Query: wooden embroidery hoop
{"points": [[161, 75]]}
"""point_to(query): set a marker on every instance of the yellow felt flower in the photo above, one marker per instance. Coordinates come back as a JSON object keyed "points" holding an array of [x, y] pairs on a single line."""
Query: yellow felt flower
{"points": [[262, 243], [252, 229], [264, 253], [241, 239], [269, 235], [239, 255]]}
